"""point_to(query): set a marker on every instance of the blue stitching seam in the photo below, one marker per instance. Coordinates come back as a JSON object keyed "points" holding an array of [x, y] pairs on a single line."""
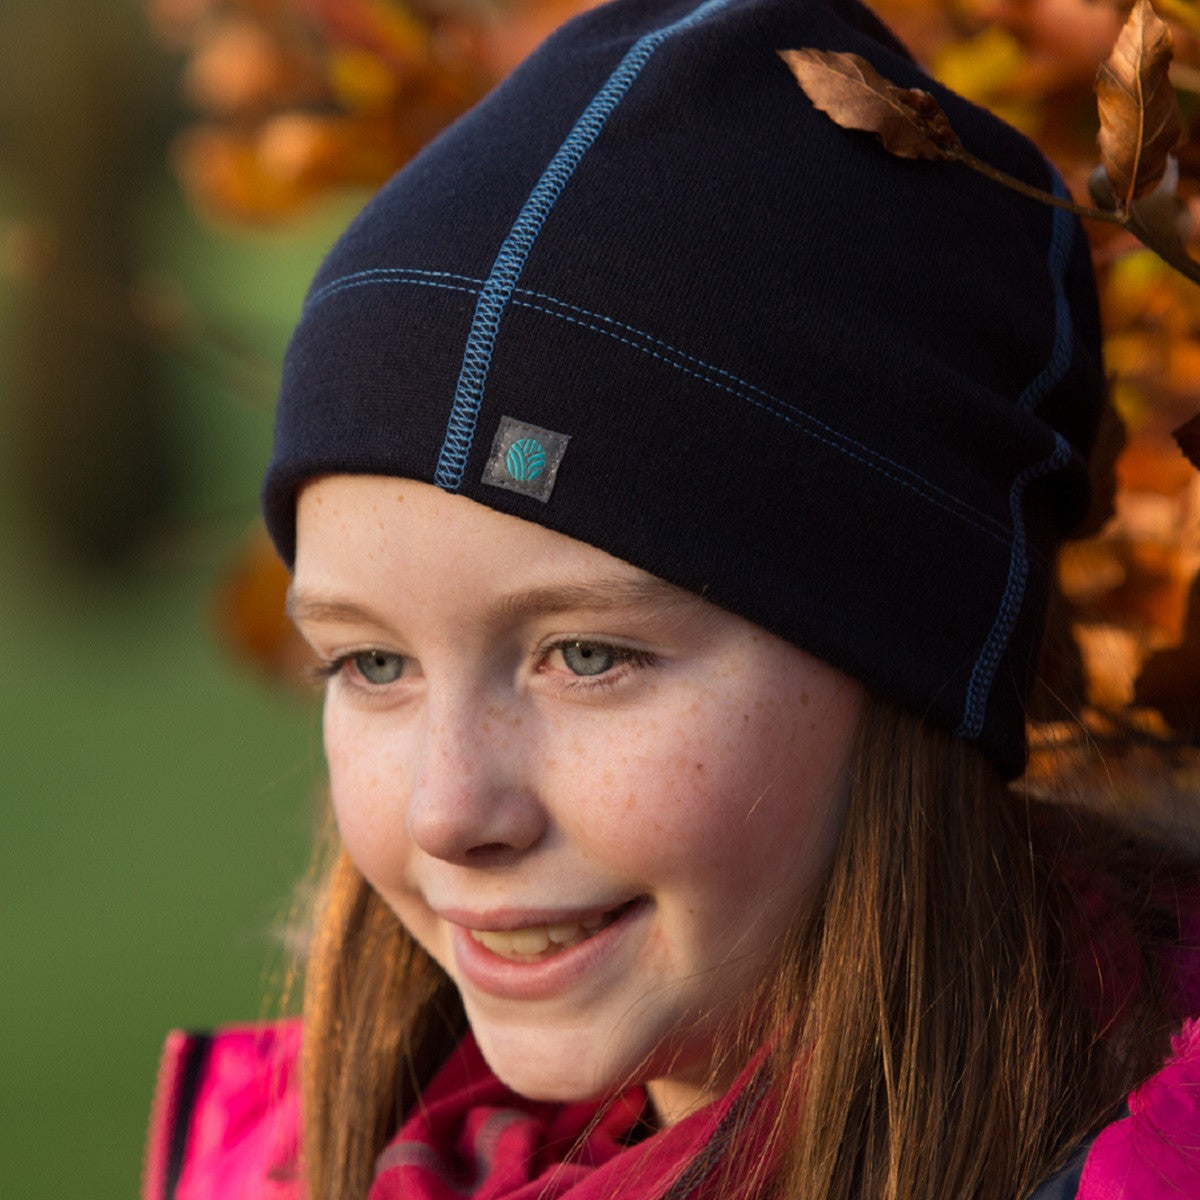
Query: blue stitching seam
{"points": [[510, 261], [987, 525], [803, 421], [421, 283], [1061, 235], [381, 275], [983, 673]]}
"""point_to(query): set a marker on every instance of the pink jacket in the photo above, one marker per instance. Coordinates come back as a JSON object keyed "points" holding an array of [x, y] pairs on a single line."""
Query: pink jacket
{"points": [[226, 1125]]}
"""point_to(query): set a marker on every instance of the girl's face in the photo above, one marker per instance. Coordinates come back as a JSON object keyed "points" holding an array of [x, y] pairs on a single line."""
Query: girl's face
{"points": [[595, 799]]}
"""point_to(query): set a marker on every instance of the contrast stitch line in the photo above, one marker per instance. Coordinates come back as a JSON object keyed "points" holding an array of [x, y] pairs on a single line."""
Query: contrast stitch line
{"points": [[1062, 232], [433, 283], [954, 503], [987, 525], [510, 261], [382, 275], [983, 673]]}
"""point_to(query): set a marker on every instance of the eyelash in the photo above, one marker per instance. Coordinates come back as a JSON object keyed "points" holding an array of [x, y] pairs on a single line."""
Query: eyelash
{"points": [[626, 657], [623, 657], [323, 672]]}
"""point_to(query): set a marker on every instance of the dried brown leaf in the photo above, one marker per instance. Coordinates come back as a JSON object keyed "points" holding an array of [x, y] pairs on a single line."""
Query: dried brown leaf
{"points": [[1188, 437], [855, 95], [1140, 122]]}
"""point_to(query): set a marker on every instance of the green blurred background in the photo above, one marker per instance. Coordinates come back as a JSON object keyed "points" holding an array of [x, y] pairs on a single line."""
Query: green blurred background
{"points": [[156, 797]]}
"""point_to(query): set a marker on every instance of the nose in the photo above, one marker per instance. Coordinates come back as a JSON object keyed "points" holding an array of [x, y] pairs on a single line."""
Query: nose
{"points": [[473, 801]]}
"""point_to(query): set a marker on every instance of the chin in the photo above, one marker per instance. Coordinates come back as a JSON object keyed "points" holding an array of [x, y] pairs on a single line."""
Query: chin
{"points": [[552, 1090], [553, 1069], [555, 1082]]}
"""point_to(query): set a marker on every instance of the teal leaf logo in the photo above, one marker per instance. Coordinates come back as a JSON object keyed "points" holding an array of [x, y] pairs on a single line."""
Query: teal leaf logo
{"points": [[525, 459]]}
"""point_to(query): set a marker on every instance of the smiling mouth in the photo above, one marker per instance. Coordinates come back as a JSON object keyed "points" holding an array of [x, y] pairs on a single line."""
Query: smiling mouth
{"points": [[534, 943]]}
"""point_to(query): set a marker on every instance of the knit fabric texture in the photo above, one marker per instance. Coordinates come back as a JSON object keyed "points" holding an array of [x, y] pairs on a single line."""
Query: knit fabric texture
{"points": [[644, 294]]}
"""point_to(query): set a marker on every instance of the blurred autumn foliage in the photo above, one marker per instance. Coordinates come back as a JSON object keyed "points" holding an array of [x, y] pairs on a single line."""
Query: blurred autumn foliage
{"points": [[296, 98], [302, 96]]}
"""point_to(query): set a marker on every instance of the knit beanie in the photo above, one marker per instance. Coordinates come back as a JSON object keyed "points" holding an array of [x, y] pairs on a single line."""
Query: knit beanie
{"points": [[644, 294]]}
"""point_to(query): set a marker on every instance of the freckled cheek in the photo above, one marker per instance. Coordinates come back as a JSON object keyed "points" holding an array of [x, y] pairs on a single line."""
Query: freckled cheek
{"points": [[675, 795], [368, 793]]}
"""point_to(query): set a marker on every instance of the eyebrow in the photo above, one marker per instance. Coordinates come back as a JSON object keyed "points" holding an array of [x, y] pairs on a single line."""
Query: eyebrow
{"points": [[604, 592], [610, 592], [300, 606]]}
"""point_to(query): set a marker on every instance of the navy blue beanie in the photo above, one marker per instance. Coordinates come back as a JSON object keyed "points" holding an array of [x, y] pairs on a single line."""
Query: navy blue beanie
{"points": [[646, 295]]}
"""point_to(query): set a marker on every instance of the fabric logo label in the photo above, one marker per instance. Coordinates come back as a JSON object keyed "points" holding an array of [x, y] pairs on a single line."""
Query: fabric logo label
{"points": [[525, 458]]}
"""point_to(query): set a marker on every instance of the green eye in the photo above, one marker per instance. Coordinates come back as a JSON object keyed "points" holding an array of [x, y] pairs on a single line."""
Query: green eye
{"points": [[379, 667], [588, 658]]}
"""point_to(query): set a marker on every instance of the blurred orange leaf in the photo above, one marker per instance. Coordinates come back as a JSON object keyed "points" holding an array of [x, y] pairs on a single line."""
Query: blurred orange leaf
{"points": [[250, 613], [392, 29], [239, 67], [1152, 465], [221, 168], [315, 152]]}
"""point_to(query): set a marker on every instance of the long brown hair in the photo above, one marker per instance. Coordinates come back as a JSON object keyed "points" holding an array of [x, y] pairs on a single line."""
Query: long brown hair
{"points": [[952, 1019]]}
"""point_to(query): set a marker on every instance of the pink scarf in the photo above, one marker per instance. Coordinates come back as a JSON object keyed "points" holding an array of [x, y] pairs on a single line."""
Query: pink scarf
{"points": [[471, 1137]]}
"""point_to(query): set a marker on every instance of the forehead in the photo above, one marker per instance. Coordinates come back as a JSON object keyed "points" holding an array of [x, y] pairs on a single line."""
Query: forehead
{"points": [[379, 533]]}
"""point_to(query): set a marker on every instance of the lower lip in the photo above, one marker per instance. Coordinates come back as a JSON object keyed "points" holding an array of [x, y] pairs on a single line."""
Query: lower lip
{"points": [[543, 978]]}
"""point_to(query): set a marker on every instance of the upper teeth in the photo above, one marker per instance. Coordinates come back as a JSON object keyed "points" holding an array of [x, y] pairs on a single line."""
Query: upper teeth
{"points": [[535, 939]]}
